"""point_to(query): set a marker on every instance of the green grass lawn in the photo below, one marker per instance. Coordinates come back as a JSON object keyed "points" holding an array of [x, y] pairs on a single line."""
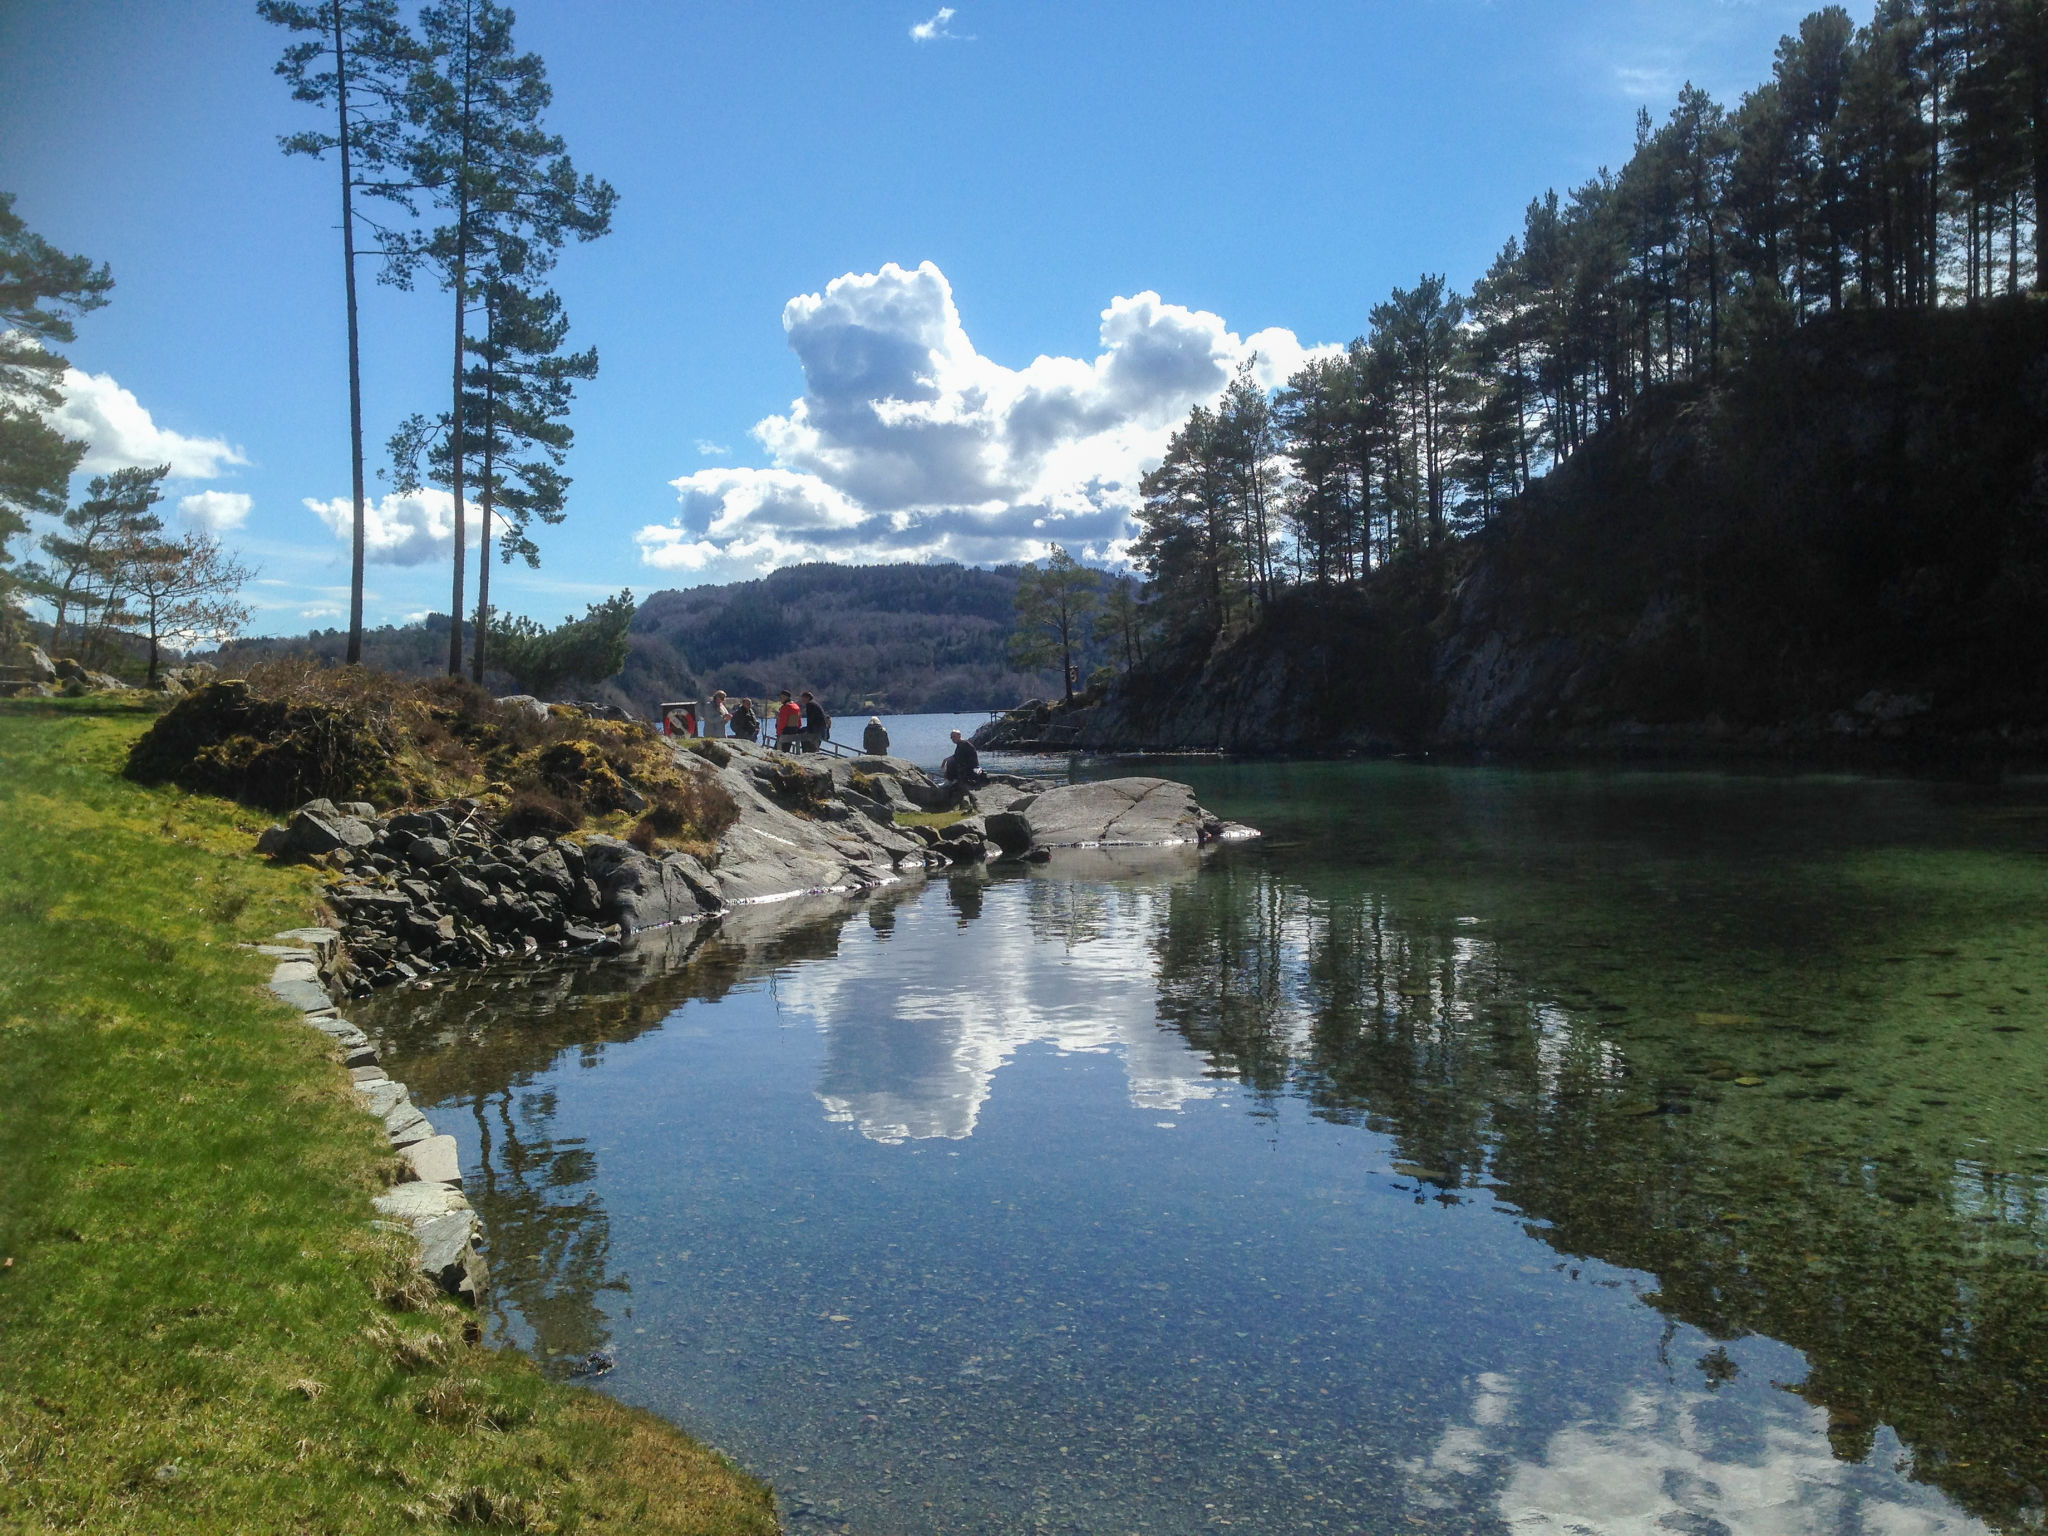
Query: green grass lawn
{"points": [[199, 1329]]}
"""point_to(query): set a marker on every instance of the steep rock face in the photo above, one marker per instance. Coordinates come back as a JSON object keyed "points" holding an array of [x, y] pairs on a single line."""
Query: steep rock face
{"points": [[1839, 550]]}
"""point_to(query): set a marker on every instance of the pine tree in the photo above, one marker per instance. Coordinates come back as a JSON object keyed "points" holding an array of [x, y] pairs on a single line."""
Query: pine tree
{"points": [[84, 571], [1053, 603], [510, 192], [41, 291], [357, 61]]}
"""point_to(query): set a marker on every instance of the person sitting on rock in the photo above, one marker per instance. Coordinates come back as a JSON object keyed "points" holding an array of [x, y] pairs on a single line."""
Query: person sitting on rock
{"points": [[875, 739], [963, 768], [817, 724], [788, 721]]}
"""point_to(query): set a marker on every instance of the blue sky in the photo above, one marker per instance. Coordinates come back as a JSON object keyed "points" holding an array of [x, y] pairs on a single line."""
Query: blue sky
{"points": [[869, 295]]}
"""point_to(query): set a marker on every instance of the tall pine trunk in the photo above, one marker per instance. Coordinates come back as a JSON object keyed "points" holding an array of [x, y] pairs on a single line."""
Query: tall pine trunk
{"points": [[486, 485], [456, 443], [355, 361]]}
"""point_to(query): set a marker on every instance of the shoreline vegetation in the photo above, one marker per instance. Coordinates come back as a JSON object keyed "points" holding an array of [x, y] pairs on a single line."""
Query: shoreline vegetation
{"points": [[206, 1323], [204, 1328]]}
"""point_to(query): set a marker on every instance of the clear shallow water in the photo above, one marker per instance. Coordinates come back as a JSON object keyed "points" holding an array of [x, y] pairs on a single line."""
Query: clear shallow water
{"points": [[1480, 1151]]}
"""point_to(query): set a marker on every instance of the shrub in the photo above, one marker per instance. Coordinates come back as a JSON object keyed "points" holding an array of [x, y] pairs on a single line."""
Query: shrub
{"points": [[535, 811]]}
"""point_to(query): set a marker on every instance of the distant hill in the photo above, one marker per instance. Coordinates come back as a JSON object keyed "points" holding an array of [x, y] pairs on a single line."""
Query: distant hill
{"points": [[901, 638], [907, 639]]}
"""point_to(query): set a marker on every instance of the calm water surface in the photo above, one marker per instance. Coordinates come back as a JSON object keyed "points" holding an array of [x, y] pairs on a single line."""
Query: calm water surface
{"points": [[1480, 1151]]}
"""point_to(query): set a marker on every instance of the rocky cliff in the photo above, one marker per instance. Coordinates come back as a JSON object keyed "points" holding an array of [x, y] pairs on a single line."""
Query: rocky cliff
{"points": [[1841, 551]]}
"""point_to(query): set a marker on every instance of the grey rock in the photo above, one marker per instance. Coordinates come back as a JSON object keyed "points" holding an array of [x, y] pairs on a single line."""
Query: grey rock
{"points": [[306, 996], [417, 1202], [433, 1161], [272, 841], [294, 970], [363, 1076], [428, 852], [312, 833], [702, 884], [380, 1098], [327, 810], [320, 940], [1009, 831], [549, 869], [342, 1033], [359, 1056], [1140, 810], [39, 663], [405, 1124], [448, 1254], [527, 702], [360, 809], [458, 890], [636, 892]]}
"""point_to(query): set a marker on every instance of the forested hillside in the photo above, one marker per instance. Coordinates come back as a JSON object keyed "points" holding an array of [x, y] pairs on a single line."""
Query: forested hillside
{"points": [[1745, 441], [900, 638], [1899, 167]]}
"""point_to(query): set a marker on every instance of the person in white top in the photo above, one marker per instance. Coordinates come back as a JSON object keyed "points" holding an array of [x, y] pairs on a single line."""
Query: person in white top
{"points": [[717, 716]]}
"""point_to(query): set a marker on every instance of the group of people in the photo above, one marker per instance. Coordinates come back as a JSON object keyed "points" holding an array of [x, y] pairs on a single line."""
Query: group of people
{"points": [[800, 723]]}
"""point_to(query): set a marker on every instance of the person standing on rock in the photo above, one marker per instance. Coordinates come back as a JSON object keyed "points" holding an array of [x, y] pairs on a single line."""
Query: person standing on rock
{"points": [[788, 721], [717, 715], [746, 725], [875, 739], [817, 724]]}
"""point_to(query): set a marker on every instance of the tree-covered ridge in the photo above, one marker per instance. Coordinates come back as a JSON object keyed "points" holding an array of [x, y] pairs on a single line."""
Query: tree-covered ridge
{"points": [[910, 638], [901, 638], [1900, 166]]}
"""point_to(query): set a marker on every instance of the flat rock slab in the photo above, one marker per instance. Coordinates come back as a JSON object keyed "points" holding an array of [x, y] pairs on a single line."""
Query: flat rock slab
{"points": [[412, 1203], [381, 1097], [1114, 811], [321, 940], [296, 970], [433, 1161], [406, 1125], [306, 996]]}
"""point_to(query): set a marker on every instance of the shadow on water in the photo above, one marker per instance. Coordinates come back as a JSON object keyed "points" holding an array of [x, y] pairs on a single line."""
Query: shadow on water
{"points": [[1778, 1045]]}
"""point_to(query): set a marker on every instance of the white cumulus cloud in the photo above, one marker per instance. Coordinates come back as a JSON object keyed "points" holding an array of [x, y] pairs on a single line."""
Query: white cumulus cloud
{"points": [[216, 511], [119, 431], [938, 27], [411, 528], [908, 444]]}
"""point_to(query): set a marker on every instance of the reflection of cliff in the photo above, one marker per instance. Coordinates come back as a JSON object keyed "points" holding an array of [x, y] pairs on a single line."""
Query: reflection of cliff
{"points": [[912, 1047], [1768, 1189]]}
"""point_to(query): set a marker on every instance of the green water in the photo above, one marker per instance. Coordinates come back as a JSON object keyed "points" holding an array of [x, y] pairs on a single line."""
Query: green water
{"points": [[1479, 1150]]}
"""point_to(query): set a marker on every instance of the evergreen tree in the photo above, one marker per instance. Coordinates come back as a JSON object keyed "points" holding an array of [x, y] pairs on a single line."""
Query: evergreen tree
{"points": [[1053, 602], [357, 60], [42, 290], [517, 395], [510, 192], [84, 574]]}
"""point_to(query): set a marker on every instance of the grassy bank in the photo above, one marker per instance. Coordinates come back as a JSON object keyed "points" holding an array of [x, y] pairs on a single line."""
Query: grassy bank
{"points": [[198, 1327]]}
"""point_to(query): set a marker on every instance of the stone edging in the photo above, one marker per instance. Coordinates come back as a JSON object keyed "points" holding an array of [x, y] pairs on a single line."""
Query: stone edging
{"points": [[429, 1203]]}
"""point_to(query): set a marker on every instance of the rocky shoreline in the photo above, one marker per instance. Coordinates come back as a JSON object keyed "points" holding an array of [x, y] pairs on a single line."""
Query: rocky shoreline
{"points": [[425, 890]]}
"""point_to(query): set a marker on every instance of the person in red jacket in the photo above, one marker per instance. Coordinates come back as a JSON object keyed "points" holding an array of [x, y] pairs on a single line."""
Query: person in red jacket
{"points": [[789, 720]]}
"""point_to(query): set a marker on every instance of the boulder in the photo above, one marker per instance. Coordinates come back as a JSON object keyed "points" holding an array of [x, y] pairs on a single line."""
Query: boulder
{"points": [[406, 1124], [1115, 811], [1009, 830], [548, 868], [314, 832], [428, 852], [448, 1254], [527, 702], [380, 1098], [433, 1161], [273, 841], [636, 892]]}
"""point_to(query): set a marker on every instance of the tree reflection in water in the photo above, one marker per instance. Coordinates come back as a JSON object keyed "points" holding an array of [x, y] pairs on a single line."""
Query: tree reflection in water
{"points": [[1819, 1129]]}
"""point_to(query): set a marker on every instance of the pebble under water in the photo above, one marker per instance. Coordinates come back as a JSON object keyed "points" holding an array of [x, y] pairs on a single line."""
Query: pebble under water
{"points": [[1480, 1150]]}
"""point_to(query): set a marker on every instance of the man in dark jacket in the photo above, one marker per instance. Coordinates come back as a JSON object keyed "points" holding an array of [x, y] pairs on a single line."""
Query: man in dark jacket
{"points": [[875, 739], [963, 768], [817, 724]]}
